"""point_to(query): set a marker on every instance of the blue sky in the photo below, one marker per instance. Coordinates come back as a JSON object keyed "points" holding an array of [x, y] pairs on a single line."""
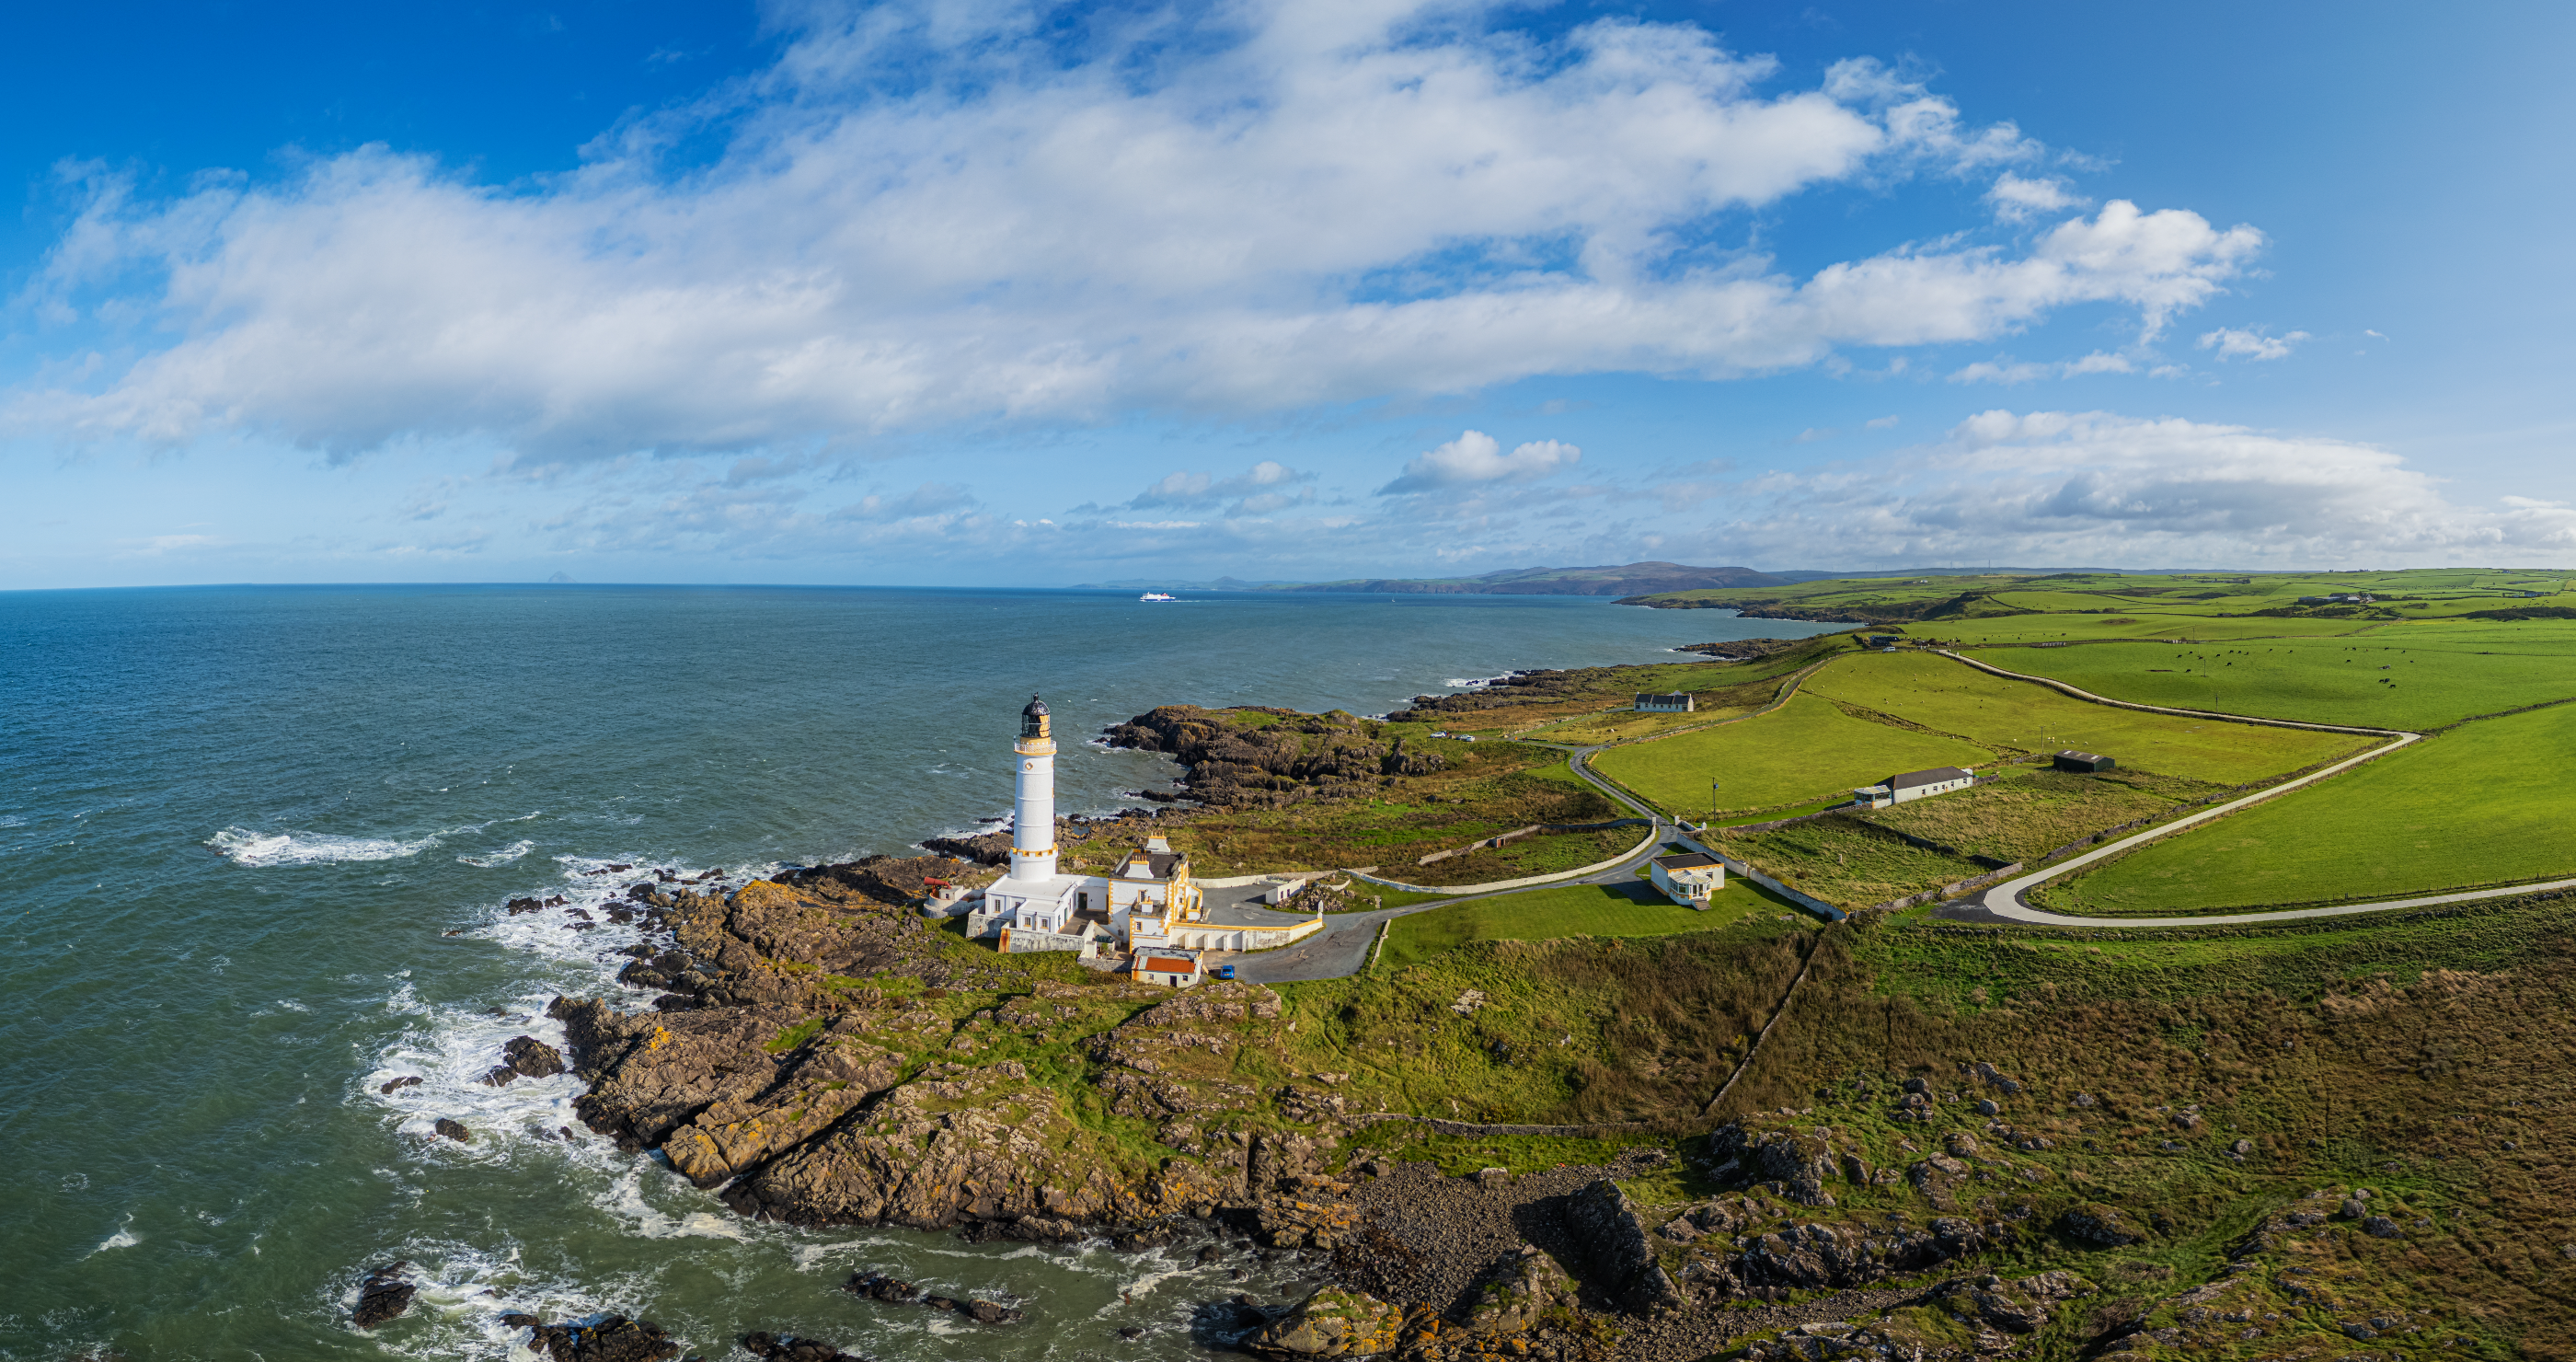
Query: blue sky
{"points": [[1011, 294]]}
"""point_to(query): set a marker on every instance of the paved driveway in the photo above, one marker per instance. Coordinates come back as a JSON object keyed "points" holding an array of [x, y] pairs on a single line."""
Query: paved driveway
{"points": [[1344, 945]]}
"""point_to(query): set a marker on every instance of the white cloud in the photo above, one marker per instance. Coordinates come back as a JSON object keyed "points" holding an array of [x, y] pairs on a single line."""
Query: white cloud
{"points": [[935, 214], [1258, 490], [1475, 457], [2009, 372], [2019, 200], [2231, 343], [2005, 372], [2100, 363], [2101, 488], [1879, 422]]}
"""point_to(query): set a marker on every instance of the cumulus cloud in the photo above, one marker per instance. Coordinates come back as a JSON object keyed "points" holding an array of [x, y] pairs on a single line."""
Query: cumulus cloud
{"points": [[928, 214], [2231, 343], [2097, 487], [1265, 487], [1475, 457], [2019, 200], [2011, 372]]}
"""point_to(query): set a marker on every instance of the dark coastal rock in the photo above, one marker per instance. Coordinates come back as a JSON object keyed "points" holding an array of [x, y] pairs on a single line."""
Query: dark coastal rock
{"points": [[396, 1084], [2016, 1307], [1520, 1292], [614, 1338], [383, 1296], [1622, 1258], [518, 906], [652, 1073], [825, 1079], [961, 1143], [532, 1058], [1991, 1308], [987, 848], [788, 1348], [1301, 756], [895, 881], [1800, 1162], [454, 1130], [877, 1286], [1333, 1322], [2097, 1226], [499, 1076]]}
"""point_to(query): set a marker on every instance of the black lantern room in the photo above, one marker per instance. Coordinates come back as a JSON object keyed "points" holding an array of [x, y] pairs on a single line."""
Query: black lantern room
{"points": [[1033, 720]]}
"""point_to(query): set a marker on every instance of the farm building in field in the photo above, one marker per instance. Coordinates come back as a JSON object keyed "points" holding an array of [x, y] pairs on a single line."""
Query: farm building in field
{"points": [[1173, 969], [1914, 785], [2072, 760], [1689, 879], [1677, 703]]}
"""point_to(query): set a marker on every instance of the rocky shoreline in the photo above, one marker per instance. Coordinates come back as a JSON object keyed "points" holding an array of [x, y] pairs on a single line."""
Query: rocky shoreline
{"points": [[789, 1046]]}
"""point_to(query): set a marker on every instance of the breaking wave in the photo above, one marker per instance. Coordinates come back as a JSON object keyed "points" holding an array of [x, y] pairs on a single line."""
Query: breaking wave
{"points": [[504, 856], [244, 847]]}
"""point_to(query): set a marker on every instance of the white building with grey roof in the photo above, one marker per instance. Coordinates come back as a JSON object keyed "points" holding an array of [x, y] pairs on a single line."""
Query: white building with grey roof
{"points": [[1913, 785]]}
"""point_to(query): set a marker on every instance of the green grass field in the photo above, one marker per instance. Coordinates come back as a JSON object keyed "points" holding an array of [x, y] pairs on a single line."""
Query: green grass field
{"points": [[2030, 813], [1941, 694], [1574, 910], [2132, 624], [1803, 750], [2484, 804], [2396, 675]]}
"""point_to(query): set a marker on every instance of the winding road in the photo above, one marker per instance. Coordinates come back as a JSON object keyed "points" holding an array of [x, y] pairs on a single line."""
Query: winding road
{"points": [[1344, 945], [2004, 902]]}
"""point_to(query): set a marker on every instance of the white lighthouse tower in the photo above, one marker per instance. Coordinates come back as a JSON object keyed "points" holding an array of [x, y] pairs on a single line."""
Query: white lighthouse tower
{"points": [[1033, 807], [1148, 901]]}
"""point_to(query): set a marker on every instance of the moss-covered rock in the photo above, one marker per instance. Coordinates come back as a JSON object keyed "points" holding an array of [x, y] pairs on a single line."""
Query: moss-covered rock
{"points": [[1333, 1322]]}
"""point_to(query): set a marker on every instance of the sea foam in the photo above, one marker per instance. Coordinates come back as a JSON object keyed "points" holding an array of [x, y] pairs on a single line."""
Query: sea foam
{"points": [[504, 856], [244, 847]]}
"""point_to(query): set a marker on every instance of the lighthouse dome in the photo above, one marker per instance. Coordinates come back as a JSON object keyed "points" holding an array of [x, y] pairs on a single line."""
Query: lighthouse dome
{"points": [[1033, 720]]}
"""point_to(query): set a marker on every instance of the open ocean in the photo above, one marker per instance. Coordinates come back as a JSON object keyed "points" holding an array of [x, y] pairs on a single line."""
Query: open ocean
{"points": [[239, 825]]}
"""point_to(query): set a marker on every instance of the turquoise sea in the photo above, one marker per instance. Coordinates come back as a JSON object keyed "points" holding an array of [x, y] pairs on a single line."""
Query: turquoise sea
{"points": [[257, 841]]}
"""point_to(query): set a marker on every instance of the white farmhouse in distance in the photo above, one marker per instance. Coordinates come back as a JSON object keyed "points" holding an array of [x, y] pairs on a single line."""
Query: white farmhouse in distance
{"points": [[1679, 702], [1914, 785]]}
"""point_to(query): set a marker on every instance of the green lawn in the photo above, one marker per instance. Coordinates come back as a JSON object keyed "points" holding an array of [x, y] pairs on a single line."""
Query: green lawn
{"points": [[1804, 750], [2148, 622], [1941, 694], [2484, 804], [2030, 813], [1574, 910], [2404, 675], [1540, 854]]}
